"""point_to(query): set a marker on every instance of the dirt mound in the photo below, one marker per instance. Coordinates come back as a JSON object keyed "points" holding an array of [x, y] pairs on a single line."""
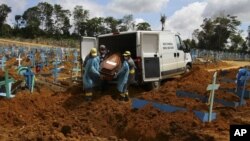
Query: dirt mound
{"points": [[151, 124], [194, 82], [12, 73], [217, 64], [198, 81], [170, 98], [211, 64], [229, 73], [49, 115]]}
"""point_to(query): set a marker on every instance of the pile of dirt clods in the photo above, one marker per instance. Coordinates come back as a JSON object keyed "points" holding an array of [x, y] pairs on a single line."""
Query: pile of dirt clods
{"points": [[48, 115]]}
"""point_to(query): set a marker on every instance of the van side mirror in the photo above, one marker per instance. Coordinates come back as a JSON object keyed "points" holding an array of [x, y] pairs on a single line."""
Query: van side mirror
{"points": [[181, 47], [187, 49]]}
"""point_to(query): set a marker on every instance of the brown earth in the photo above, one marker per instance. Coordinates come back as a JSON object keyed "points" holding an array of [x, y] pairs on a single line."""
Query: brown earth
{"points": [[48, 115]]}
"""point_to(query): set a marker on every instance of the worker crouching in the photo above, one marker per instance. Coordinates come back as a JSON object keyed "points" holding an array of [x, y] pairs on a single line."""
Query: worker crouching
{"points": [[91, 74]]}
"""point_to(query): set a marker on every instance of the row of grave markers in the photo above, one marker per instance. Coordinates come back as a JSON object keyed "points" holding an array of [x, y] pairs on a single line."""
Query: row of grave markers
{"points": [[15, 52], [45, 54], [204, 116], [218, 55], [58, 54]]}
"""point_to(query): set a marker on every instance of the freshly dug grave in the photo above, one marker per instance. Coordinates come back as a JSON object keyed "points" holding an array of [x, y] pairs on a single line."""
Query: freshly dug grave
{"points": [[198, 81], [167, 96], [212, 65], [47, 115], [65, 116], [195, 82]]}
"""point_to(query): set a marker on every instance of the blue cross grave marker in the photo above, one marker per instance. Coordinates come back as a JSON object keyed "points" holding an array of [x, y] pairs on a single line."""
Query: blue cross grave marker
{"points": [[59, 53], [1, 51], [212, 87], [31, 56], [244, 79], [6, 51], [57, 60], [55, 71], [3, 61], [7, 83], [20, 51], [12, 52], [75, 71], [66, 54], [44, 58], [16, 52], [75, 54], [29, 78]]}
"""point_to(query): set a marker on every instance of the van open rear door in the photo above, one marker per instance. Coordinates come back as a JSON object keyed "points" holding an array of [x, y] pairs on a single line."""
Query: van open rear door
{"points": [[150, 56], [86, 44]]}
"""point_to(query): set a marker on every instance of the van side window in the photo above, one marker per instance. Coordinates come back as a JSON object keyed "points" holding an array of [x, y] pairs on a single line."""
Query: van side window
{"points": [[178, 41]]}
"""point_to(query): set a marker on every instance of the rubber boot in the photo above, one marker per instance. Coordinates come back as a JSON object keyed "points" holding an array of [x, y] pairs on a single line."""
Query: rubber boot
{"points": [[88, 96], [122, 97], [113, 96], [126, 97]]}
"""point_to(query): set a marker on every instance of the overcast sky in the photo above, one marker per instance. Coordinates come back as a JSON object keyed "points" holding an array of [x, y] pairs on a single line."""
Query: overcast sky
{"points": [[183, 16]]}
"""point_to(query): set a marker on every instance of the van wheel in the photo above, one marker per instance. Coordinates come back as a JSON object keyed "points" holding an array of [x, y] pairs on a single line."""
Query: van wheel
{"points": [[152, 85], [187, 69]]}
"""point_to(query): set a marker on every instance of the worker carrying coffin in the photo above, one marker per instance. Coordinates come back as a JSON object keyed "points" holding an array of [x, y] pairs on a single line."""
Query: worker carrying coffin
{"points": [[158, 55], [122, 76], [113, 63], [91, 74], [110, 66], [132, 67]]}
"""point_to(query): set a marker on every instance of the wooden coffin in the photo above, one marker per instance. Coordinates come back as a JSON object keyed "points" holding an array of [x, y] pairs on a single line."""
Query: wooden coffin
{"points": [[110, 66]]}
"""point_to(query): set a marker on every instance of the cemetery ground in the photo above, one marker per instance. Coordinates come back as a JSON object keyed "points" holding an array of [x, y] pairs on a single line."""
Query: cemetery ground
{"points": [[54, 114]]}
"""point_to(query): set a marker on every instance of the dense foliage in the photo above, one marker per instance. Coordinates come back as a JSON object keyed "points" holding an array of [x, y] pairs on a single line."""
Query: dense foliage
{"points": [[46, 21], [53, 21], [220, 33]]}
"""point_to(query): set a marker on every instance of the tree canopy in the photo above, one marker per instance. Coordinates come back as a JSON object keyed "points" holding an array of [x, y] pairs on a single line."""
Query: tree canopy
{"points": [[53, 21], [4, 11], [221, 33]]}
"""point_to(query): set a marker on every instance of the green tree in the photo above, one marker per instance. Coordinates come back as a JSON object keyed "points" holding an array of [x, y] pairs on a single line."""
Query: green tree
{"points": [[4, 11], [205, 35], [46, 10], [143, 26], [127, 22], [61, 24], [95, 26], [237, 43], [19, 25], [80, 17], [17, 19], [190, 43], [225, 28], [112, 24], [248, 37], [6, 30], [32, 20], [244, 48], [216, 32]]}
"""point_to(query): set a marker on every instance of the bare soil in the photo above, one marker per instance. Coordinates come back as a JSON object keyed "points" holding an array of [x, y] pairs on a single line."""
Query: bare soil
{"points": [[49, 115]]}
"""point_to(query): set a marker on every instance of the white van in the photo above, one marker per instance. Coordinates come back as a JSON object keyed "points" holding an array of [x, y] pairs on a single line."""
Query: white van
{"points": [[158, 54]]}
